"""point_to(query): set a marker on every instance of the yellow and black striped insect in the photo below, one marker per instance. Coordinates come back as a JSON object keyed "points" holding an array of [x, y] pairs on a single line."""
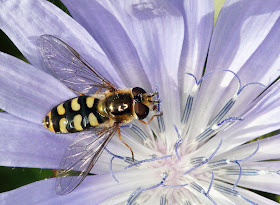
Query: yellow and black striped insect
{"points": [[99, 115]]}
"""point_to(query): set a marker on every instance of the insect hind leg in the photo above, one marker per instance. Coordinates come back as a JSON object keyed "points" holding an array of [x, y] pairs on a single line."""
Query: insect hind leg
{"points": [[120, 137]]}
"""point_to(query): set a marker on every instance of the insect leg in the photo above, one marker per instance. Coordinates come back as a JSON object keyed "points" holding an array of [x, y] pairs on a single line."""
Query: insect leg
{"points": [[120, 137], [146, 123], [98, 91], [75, 91]]}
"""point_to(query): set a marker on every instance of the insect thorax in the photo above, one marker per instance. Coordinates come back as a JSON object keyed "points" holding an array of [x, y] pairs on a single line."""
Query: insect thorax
{"points": [[120, 107]]}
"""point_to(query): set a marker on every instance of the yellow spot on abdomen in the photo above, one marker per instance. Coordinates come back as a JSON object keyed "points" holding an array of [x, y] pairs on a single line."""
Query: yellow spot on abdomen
{"points": [[93, 120], [75, 105], [77, 122], [62, 125], [60, 109], [90, 101]]}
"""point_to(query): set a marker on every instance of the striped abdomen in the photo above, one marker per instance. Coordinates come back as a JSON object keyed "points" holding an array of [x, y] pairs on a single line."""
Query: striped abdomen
{"points": [[74, 115]]}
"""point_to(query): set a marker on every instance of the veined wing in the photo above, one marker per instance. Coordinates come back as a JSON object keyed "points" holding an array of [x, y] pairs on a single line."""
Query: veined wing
{"points": [[70, 67], [80, 157]]}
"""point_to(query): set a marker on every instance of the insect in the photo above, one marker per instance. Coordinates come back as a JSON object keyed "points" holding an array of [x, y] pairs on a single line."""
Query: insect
{"points": [[99, 115]]}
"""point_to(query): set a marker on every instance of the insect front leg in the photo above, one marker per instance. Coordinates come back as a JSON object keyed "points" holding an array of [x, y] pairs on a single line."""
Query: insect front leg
{"points": [[120, 137], [156, 115]]}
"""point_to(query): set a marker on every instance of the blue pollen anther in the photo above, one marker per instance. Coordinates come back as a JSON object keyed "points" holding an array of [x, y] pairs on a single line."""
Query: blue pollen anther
{"points": [[206, 159], [133, 196], [136, 193], [231, 192], [223, 111], [163, 199], [187, 109], [208, 131], [137, 131], [160, 120], [198, 188], [129, 160], [178, 143], [230, 119]]}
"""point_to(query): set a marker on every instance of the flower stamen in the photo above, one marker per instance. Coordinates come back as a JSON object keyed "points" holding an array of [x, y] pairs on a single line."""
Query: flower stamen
{"points": [[136, 193], [178, 143], [253, 83], [174, 186], [133, 196], [208, 132], [111, 170], [138, 131], [111, 163], [163, 199], [242, 160], [198, 188], [231, 192], [211, 183], [205, 160], [148, 160], [160, 120]]}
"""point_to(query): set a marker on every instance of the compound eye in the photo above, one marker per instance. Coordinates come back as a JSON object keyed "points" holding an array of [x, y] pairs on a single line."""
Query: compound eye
{"points": [[136, 91], [141, 110]]}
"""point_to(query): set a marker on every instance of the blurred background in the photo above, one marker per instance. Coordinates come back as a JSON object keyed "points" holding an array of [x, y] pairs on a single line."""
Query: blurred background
{"points": [[14, 177]]}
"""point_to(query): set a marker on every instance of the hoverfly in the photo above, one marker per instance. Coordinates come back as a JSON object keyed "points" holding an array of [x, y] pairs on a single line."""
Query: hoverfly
{"points": [[99, 115]]}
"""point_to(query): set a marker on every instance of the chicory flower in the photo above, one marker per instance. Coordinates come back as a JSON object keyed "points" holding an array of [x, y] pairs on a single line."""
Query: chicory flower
{"points": [[198, 151]]}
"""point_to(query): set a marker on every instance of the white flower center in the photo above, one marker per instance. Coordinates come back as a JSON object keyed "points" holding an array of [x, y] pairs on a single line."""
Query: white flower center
{"points": [[187, 177]]}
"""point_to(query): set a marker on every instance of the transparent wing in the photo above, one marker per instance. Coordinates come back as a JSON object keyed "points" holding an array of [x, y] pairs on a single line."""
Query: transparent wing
{"points": [[69, 67], [80, 157]]}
